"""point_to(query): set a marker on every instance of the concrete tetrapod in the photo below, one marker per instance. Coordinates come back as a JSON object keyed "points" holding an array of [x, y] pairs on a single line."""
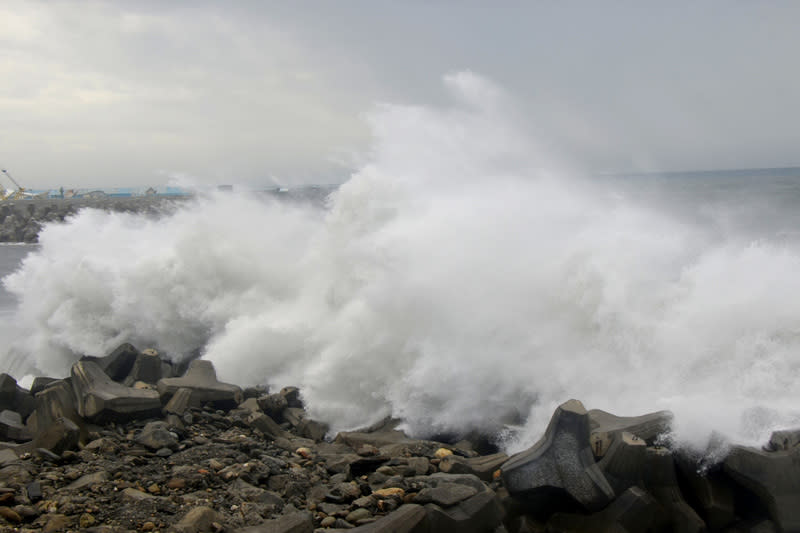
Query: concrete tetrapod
{"points": [[635, 510], [604, 427], [622, 464], [661, 481], [562, 459], [774, 477], [100, 399], [201, 380]]}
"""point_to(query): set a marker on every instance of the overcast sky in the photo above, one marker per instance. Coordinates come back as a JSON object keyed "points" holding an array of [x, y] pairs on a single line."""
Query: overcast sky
{"points": [[131, 93]]}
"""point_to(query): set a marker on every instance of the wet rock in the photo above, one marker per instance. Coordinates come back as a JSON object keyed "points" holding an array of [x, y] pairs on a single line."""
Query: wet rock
{"points": [[273, 405], [198, 520], [480, 513], [10, 515], [100, 399], [34, 491], [292, 395], [8, 456], [57, 522], [95, 478], [482, 466], [445, 494], [409, 518], [774, 477], [156, 435], [301, 522], [201, 380], [561, 461]]}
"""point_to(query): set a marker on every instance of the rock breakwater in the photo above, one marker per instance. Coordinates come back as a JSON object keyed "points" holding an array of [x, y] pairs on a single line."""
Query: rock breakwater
{"points": [[130, 442], [21, 220]]}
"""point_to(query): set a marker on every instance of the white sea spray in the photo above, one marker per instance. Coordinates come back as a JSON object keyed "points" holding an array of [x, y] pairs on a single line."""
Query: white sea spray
{"points": [[451, 282]]}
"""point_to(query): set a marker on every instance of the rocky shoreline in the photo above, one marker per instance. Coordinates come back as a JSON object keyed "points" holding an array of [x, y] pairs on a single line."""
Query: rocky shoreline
{"points": [[21, 220], [130, 442]]}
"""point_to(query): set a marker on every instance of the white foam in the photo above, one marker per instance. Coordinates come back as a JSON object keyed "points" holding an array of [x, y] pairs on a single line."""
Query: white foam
{"points": [[450, 283]]}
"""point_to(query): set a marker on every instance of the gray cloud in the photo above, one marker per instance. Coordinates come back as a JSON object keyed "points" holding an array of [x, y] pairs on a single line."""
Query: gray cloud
{"points": [[120, 93]]}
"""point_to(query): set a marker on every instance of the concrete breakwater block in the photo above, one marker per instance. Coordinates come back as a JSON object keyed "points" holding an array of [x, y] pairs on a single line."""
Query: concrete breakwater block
{"points": [[99, 398], [561, 461], [634, 511], [774, 477], [201, 380], [604, 427]]}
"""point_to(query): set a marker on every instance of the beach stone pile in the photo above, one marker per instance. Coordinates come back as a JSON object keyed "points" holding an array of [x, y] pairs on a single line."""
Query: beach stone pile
{"points": [[131, 442]]}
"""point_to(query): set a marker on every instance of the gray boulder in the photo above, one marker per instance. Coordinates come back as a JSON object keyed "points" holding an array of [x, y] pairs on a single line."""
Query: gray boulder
{"points": [[201, 380], [156, 435], [100, 399], [561, 461]]}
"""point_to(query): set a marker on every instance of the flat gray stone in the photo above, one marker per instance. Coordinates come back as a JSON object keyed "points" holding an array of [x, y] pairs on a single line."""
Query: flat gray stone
{"points": [[101, 399], [445, 494], [290, 523], [562, 459], [409, 518], [201, 380]]}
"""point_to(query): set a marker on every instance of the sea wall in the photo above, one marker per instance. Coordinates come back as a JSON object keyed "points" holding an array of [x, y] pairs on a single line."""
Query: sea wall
{"points": [[21, 220]]}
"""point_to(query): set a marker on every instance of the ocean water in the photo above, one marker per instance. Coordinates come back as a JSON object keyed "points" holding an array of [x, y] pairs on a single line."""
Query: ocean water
{"points": [[459, 279]]}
